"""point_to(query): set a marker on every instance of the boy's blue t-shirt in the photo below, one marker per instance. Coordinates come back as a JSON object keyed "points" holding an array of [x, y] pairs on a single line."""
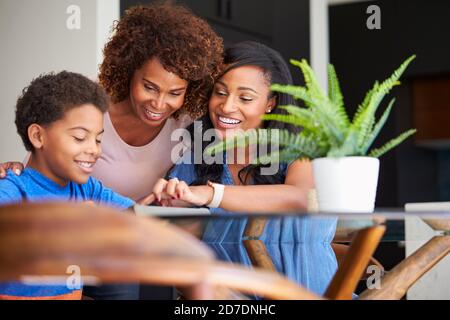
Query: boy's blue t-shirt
{"points": [[32, 186]]}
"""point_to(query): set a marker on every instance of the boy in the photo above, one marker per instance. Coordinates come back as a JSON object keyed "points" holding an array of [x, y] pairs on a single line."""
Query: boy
{"points": [[60, 120]]}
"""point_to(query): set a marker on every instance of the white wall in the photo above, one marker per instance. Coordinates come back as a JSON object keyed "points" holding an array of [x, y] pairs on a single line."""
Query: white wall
{"points": [[35, 39], [107, 12], [319, 39]]}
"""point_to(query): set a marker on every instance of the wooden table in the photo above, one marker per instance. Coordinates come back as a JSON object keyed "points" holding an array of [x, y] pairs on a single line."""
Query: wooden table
{"points": [[363, 243]]}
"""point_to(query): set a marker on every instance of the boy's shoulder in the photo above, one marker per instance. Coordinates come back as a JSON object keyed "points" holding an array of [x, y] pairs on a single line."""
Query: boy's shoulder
{"points": [[99, 193], [13, 179], [12, 188]]}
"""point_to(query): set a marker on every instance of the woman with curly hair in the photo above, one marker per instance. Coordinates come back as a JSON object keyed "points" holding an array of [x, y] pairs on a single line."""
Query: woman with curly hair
{"points": [[158, 69]]}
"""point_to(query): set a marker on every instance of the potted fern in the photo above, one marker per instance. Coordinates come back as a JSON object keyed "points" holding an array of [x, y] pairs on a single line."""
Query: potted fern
{"points": [[345, 168]]}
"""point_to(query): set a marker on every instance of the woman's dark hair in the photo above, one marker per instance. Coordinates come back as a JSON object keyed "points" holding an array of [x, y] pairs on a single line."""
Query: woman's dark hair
{"points": [[275, 69], [184, 44], [50, 96]]}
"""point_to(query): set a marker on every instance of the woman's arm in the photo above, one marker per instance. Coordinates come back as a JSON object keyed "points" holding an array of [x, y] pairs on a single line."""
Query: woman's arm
{"points": [[291, 196]]}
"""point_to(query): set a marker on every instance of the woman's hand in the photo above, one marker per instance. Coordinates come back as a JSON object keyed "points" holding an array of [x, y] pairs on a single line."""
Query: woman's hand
{"points": [[16, 167], [151, 198], [171, 192]]}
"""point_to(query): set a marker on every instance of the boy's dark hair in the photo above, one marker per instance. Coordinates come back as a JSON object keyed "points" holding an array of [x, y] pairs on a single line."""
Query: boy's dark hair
{"points": [[49, 96]]}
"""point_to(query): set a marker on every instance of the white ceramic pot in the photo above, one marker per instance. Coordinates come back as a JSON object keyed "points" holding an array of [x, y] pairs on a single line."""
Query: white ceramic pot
{"points": [[347, 184]]}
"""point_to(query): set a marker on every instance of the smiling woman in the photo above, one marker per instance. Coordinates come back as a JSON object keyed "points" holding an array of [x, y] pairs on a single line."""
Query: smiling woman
{"points": [[158, 68], [240, 97], [155, 93]]}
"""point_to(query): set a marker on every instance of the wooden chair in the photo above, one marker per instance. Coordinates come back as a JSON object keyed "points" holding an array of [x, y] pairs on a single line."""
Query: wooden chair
{"points": [[404, 275], [353, 266], [341, 251], [116, 247], [352, 259]]}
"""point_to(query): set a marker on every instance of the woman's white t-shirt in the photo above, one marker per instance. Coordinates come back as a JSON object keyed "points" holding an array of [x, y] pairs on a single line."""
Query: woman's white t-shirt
{"points": [[133, 171]]}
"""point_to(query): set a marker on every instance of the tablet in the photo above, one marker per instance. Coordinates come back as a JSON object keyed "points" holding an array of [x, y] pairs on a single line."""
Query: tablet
{"points": [[156, 211]]}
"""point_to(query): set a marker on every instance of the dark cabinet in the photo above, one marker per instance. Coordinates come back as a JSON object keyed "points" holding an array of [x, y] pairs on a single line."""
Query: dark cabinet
{"points": [[249, 16], [280, 24]]}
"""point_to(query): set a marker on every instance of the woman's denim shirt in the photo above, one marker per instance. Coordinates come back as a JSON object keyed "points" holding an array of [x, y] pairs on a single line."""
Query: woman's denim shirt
{"points": [[299, 246]]}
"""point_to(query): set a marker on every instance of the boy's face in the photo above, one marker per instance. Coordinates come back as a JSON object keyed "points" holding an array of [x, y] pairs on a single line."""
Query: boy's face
{"points": [[71, 146]]}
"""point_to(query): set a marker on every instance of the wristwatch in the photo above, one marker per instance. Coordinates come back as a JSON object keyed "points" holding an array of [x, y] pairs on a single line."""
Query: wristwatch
{"points": [[218, 194]]}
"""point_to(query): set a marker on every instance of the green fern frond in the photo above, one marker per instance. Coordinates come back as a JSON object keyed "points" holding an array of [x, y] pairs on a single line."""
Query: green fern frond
{"points": [[348, 148], [325, 119], [334, 89], [302, 122], [371, 138], [286, 156], [380, 90], [314, 126], [365, 118], [364, 129], [363, 106], [392, 81], [299, 117], [364, 121], [376, 153], [305, 146], [334, 120], [335, 95], [328, 124], [298, 92], [296, 111], [239, 139], [310, 78]]}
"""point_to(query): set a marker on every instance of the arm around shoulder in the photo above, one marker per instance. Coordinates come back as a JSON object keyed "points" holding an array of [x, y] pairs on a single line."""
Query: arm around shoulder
{"points": [[10, 191]]}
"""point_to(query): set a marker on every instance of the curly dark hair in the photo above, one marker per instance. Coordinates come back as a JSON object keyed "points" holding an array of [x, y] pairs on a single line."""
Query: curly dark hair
{"points": [[50, 95], [185, 44]]}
